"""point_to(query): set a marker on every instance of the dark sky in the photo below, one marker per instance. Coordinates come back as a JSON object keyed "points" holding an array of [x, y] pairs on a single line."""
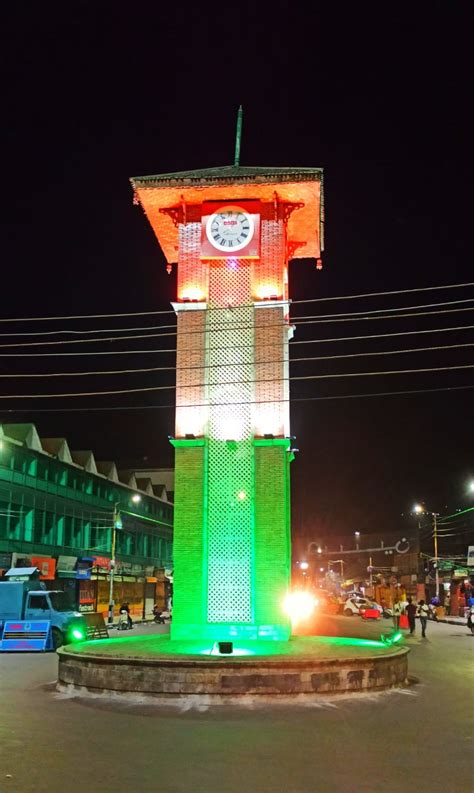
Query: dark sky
{"points": [[377, 94]]}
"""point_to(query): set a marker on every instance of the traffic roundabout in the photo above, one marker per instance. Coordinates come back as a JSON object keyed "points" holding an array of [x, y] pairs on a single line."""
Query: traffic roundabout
{"points": [[304, 669]]}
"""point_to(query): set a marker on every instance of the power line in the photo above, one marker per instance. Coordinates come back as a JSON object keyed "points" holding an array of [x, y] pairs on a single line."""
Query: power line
{"points": [[228, 328], [233, 347], [238, 383], [365, 318], [219, 308], [331, 397], [304, 359], [361, 314], [379, 294]]}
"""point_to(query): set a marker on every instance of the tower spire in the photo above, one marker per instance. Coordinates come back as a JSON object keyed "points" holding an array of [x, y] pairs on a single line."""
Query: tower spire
{"points": [[238, 136]]}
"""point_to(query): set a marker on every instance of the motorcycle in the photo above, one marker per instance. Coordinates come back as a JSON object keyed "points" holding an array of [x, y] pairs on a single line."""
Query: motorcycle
{"points": [[124, 622], [161, 617]]}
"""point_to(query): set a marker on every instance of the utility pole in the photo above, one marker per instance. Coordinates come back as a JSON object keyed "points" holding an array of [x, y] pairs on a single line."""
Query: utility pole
{"points": [[116, 520], [435, 537]]}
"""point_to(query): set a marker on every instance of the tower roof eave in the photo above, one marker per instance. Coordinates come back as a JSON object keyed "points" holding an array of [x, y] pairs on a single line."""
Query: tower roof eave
{"points": [[229, 174], [161, 191]]}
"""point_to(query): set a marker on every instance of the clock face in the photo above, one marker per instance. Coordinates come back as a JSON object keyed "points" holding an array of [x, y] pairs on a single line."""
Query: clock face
{"points": [[230, 229]]}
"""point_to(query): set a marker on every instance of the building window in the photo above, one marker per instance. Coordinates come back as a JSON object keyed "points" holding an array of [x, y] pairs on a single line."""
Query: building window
{"points": [[4, 514], [49, 528], [72, 532], [38, 523], [100, 541], [42, 471], [31, 466]]}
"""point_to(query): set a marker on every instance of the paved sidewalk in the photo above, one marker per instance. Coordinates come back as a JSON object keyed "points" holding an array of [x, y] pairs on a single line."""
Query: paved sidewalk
{"points": [[452, 620]]}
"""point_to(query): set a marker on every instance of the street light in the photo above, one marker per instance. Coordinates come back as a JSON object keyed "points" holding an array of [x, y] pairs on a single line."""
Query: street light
{"points": [[418, 509], [471, 486], [357, 536], [117, 524]]}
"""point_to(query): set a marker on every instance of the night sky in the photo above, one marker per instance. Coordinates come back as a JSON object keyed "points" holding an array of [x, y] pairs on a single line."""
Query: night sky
{"points": [[376, 94]]}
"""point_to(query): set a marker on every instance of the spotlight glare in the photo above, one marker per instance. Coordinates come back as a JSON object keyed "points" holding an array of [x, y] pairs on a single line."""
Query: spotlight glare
{"points": [[299, 606]]}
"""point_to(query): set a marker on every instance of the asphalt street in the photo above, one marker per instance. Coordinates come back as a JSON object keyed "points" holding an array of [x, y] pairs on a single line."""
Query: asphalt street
{"points": [[419, 738]]}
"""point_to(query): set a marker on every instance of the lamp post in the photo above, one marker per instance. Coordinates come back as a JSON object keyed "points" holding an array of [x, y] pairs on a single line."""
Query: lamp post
{"points": [[117, 524], [418, 509], [357, 538]]}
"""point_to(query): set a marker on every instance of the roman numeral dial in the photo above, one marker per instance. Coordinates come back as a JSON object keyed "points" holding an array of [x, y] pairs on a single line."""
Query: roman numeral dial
{"points": [[230, 229]]}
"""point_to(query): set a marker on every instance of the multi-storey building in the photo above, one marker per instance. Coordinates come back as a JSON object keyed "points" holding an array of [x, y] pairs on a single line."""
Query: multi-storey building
{"points": [[59, 509]]}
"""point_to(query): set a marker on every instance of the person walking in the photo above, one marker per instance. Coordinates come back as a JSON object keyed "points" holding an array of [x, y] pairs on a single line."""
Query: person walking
{"points": [[397, 611], [423, 612], [411, 614]]}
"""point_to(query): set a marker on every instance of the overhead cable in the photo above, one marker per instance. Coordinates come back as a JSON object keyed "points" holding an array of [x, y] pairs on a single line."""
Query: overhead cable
{"points": [[236, 346], [304, 359], [228, 327], [238, 383], [169, 311], [299, 319], [328, 398]]}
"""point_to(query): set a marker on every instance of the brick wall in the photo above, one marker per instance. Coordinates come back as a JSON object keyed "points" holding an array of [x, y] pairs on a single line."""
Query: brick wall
{"points": [[188, 581], [272, 533]]}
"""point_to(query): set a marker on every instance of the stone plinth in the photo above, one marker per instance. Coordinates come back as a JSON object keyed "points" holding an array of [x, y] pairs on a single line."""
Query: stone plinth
{"points": [[303, 669]]}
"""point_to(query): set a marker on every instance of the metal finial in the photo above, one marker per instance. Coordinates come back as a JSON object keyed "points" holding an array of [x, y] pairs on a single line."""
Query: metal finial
{"points": [[238, 136]]}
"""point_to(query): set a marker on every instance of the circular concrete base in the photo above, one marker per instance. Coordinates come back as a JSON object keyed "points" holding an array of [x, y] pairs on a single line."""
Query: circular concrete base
{"points": [[305, 668]]}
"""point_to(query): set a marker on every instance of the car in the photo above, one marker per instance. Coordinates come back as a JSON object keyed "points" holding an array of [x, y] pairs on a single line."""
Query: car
{"points": [[356, 604]]}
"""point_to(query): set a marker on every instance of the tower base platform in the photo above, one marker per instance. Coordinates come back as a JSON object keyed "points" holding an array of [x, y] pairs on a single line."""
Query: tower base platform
{"points": [[303, 669]]}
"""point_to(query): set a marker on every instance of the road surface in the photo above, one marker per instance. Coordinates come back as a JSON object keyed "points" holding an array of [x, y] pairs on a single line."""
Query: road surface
{"points": [[417, 739]]}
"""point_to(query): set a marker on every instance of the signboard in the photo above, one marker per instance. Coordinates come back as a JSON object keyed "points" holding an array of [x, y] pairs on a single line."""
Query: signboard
{"points": [[46, 565], [83, 573], [66, 564], [470, 556], [96, 627], [86, 597], [101, 564], [22, 636], [461, 572]]}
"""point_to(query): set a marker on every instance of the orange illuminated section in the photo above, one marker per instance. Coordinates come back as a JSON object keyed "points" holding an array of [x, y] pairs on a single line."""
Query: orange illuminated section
{"points": [[168, 202]]}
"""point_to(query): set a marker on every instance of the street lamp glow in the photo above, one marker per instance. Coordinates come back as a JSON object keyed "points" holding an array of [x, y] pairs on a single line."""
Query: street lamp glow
{"points": [[304, 565], [418, 509], [357, 533], [470, 488], [320, 550], [136, 498]]}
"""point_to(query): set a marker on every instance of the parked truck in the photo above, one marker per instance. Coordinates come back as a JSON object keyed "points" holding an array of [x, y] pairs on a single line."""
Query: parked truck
{"points": [[26, 598]]}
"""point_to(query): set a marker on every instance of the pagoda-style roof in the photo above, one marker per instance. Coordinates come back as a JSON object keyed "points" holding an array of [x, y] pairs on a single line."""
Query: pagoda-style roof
{"points": [[229, 174], [160, 192]]}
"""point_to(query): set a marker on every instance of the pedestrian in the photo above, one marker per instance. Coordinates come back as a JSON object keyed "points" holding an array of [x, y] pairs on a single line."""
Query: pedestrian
{"points": [[397, 611], [411, 614], [447, 603], [423, 611]]}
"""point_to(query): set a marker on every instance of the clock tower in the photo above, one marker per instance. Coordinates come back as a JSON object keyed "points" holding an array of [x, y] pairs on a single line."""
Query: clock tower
{"points": [[232, 231]]}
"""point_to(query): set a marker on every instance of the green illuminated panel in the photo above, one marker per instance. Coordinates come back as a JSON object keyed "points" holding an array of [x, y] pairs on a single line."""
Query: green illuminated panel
{"points": [[189, 517]]}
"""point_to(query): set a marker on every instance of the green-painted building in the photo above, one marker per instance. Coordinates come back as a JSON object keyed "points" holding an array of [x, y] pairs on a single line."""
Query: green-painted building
{"points": [[58, 509]]}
